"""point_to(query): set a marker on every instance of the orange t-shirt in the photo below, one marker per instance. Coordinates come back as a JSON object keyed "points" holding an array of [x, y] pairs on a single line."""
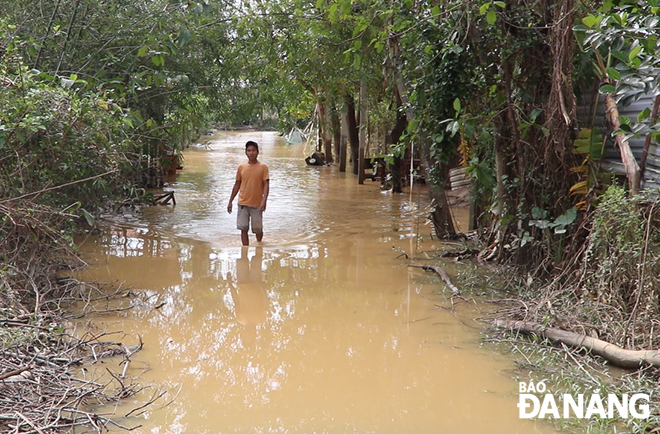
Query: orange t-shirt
{"points": [[252, 177]]}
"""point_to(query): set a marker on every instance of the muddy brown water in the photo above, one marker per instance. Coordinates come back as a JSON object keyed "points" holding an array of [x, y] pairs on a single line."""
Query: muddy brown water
{"points": [[322, 328]]}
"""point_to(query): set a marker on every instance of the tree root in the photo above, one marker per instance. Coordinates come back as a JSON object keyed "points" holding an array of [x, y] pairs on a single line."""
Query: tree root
{"points": [[629, 359]]}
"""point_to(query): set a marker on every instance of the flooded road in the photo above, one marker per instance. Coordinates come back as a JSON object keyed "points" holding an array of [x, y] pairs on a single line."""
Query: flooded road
{"points": [[322, 328]]}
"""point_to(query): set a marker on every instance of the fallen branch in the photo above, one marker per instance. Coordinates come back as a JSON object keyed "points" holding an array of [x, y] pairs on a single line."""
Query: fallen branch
{"points": [[165, 198], [34, 193], [15, 372], [443, 275], [629, 359]]}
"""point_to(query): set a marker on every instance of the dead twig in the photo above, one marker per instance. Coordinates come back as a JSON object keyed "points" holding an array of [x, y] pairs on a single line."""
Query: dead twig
{"points": [[443, 275]]}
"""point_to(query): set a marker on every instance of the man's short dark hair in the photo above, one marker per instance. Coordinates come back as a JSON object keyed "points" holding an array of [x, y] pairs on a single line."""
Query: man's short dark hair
{"points": [[251, 143]]}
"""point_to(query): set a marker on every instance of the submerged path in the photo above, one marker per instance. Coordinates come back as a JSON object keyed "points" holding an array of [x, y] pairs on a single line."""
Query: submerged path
{"points": [[321, 329]]}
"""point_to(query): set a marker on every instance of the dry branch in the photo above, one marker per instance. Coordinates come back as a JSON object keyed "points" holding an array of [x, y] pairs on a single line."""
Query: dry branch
{"points": [[629, 359], [443, 275]]}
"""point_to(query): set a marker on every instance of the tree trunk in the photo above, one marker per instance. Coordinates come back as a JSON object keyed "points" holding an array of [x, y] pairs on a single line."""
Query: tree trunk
{"points": [[394, 137], [631, 359], [500, 176], [353, 131], [441, 217], [336, 130], [342, 154], [324, 130], [363, 131], [633, 171]]}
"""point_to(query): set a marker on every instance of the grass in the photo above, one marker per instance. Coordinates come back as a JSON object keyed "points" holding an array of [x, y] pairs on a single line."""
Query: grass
{"points": [[569, 371]]}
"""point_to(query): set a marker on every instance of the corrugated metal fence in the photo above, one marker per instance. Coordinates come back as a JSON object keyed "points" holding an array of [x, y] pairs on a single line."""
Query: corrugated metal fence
{"points": [[612, 162]]}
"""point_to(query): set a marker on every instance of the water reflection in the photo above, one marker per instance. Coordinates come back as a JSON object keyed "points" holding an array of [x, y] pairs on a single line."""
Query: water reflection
{"points": [[249, 295]]}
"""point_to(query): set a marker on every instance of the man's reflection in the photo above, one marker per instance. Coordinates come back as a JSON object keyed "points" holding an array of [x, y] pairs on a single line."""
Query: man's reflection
{"points": [[249, 295]]}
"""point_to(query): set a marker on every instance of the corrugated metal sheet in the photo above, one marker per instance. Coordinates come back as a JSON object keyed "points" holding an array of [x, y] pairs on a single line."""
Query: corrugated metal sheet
{"points": [[586, 106]]}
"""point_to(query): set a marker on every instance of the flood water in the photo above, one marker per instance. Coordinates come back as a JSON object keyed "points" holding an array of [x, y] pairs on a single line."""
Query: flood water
{"points": [[322, 328]]}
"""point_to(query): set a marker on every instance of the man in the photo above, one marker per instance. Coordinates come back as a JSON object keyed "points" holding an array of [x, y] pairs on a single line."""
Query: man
{"points": [[252, 183]]}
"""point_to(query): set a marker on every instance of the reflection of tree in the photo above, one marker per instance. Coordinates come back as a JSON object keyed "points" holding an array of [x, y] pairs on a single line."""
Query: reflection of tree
{"points": [[249, 295]]}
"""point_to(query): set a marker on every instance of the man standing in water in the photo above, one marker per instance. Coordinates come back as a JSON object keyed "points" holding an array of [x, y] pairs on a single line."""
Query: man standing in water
{"points": [[252, 183]]}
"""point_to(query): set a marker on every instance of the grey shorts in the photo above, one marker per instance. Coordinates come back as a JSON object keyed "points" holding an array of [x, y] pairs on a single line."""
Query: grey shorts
{"points": [[245, 215]]}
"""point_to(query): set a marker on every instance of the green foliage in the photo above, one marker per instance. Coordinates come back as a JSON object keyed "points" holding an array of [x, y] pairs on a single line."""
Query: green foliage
{"points": [[622, 261], [618, 236], [52, 136], [623, 40], [542, 220], [590, 144]]}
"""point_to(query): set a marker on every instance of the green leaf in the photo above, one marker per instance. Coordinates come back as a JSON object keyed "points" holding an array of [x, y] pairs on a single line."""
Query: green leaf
{"points": [[633, 53], [357, 61], [539, 213], [452, 127], [644, 114], [184, 37], [332, 11], [623, 128], [541, 224], [469, 129], [567, 218], [620, 55], [590, 20], [143, 51], [613, 74], [457, 105], [491, 16], [483, 8], [650, 42], [435, 11], [158, 60], [88, 217], [457, 49], [535, 114], [608, 88]]}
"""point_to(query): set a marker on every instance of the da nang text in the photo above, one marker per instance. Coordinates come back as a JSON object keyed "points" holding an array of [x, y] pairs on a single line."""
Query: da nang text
{"points": [[581, 406]]}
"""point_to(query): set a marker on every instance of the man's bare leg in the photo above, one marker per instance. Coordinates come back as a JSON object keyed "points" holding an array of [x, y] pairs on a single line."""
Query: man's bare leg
{"points": [[260, 236], [244, 238]]}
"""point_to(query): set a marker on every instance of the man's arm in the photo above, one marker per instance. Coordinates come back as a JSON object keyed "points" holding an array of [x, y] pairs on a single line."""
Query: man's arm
{"points": [[264, 199], [234, 192]]}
